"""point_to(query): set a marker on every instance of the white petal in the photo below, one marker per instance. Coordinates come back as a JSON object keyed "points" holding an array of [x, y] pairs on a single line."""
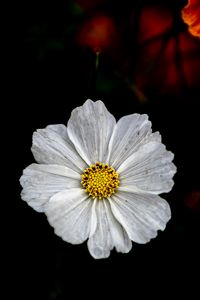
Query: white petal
{"points": [[141, 215], [129, 133], [90, 127], [71, 214], [60, 129], [120, 239], [149, 169], [109, 233], [53, 146], [41, 182], [100, 243]]}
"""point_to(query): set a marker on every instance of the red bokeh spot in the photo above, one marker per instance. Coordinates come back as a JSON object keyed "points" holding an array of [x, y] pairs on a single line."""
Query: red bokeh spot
{"points": [[191, 16], [97, 33], [88, 4], [192, 200]]}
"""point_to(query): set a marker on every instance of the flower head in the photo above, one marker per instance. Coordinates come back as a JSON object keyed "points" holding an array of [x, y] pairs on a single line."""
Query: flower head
{"points": [[98, 33], [98, 180]]}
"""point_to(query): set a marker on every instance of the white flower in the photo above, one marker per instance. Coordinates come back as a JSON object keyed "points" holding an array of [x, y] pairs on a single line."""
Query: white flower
{"points": [[99, 180]]}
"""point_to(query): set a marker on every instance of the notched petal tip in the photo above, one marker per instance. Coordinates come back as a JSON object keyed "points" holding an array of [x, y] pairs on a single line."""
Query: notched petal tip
{"points": [[97, 252]]}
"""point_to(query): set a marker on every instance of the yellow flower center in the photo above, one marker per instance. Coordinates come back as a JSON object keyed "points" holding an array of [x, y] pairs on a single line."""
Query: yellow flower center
{"points": [[100, 180]]}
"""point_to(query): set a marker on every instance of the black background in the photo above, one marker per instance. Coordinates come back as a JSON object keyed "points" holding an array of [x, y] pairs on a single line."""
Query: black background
{"points": [[49, 81]]}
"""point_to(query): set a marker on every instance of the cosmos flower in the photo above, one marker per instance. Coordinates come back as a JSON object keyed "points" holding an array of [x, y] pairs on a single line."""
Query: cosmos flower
{"points": [[98, 180]]}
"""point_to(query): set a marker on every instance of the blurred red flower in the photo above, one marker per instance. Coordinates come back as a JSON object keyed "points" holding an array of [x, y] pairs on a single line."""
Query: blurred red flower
{"points": [[191, 16], [97, 33], [168, 59]]}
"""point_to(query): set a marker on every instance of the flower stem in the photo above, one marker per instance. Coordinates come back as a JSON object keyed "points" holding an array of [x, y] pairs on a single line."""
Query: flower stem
{"points": [[97, 60]]}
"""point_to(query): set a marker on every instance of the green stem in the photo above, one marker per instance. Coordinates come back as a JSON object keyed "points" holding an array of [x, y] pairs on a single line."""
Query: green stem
{"points": [[97, 60]]}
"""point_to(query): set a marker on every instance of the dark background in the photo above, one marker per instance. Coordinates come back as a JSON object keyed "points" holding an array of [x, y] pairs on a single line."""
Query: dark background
{"points": [[53, 74]]}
